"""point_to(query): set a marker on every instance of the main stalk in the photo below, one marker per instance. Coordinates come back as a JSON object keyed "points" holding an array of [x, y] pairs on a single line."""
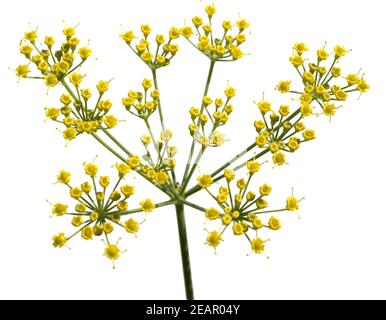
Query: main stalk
{"points": [[184, 247]]}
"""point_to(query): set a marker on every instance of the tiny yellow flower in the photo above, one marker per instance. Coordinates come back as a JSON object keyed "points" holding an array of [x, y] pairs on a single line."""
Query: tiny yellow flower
{"points": [[363, 86], [229, 174], [207, 100], [87, 233], [147, 205], [91, 169], [296, 60], [104, 181], [292, 203], [51, 80], [284, 110], [69, 134], [309, 134], [322, 54], [22, 71], [147, 56], [236, 52], [69, 31], [257, 223], [258, 245], [274, 147], [293, 144], [147, 83], [84, 52], [31, 36], [261, 140], [340, 95], [59, 209], [80, 207], [131, 226], [108, 227], [64, 177], [226, 219], [242, 24], [283, 86], [63, 66], [65, 99], [76, 192], [300, 48], [238, 229], [264, 106], [127, 190], [210, 10], [112, 252], [174, 33], [59, 240], [352, 79], [122, 169], [197, 21], [128, 36], [274, 223], [146, 29], [85, 93], [261, 203], [205, 180], [259, 125], [278, 158], [186, 32], [309, 77], [122, 205], [110, 121], [162, 177], [230, 92], [52, 113], [339, 51], [329, 109], [86, 187], [26, 50], [241, 183], [265, 190], [305, 109], [49, 41], [336, 71], [102, 86], [134, 162], [213, 239], [77, 221], [212, 213], [76, 78]]}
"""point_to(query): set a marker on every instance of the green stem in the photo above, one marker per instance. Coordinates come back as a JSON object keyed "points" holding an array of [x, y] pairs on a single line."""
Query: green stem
{"points": [[161, 117], [195, 165], [108, 147], [184, 251], [124, 160], [115, 140], [235, 158], [209, 78]]}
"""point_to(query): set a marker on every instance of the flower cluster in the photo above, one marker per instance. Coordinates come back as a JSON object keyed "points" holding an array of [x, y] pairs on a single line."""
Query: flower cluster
{"points": [[226, 46], [99, 208], [242, 209], [282, 130], [165, 49], [52, 64], [77, 113], [142, 104], [198, 128]]}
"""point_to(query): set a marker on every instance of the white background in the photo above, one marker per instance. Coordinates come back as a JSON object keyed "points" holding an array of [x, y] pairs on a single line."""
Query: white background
{"points": [[336, 249]]}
